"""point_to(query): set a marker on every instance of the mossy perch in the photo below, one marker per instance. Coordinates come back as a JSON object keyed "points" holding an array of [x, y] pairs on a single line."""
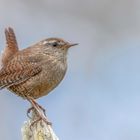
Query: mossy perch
{"points": [[38, 131]]}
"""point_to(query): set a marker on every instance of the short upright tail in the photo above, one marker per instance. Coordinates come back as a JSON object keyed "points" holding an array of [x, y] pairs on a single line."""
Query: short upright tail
{"points": [[11, 45]]}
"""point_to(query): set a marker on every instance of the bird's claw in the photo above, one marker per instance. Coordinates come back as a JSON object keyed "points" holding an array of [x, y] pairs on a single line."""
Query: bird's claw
{"points": [[39, 119], [32, 108]]}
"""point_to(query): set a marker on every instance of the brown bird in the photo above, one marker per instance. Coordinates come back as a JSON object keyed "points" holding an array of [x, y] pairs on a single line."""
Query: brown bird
{"points": [[35, 71]]}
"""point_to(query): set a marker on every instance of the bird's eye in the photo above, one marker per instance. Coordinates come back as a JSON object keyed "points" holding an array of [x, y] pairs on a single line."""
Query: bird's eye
{"points": [[55, 44]]}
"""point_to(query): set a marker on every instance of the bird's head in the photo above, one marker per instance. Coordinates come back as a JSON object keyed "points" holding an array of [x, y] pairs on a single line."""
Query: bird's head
{"points": [[56, 45]]}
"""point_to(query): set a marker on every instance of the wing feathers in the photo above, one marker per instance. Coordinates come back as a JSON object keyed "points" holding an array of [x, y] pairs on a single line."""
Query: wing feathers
{"points": [[17, 73]]}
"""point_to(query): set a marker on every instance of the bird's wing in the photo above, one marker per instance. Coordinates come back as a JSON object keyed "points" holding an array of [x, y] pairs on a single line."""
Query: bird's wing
{"points": [[11, 46], [18, 70]]}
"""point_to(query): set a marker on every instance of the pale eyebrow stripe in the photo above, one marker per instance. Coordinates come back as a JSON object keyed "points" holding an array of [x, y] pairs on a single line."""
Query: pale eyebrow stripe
{"points": [[45, 42], [52, 41]]}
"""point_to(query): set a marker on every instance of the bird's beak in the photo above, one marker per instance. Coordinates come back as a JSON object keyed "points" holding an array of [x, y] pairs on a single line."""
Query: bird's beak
{"points": [[74, 44]]}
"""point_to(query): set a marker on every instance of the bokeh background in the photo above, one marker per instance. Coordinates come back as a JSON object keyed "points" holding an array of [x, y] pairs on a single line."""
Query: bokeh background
{"points": [[99, 99]]}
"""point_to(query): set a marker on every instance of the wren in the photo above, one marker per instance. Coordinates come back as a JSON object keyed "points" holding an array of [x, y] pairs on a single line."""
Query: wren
{"points": [[35, 71]]}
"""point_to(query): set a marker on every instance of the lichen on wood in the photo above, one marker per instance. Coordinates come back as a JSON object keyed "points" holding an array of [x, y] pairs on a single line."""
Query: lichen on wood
{"points": [[40, 130]]}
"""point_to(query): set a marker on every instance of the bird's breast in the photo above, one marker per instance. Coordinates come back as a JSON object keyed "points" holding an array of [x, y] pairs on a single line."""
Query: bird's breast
{"points": [[51, 75]]}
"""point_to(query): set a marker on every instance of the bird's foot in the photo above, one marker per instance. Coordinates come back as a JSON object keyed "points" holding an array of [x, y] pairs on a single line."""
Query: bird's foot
{"points": [[32, 108], [39, 119]]}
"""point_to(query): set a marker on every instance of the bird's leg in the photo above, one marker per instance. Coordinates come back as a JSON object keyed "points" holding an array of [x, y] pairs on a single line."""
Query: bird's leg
{"points": [[38, 109], [31, 108]]}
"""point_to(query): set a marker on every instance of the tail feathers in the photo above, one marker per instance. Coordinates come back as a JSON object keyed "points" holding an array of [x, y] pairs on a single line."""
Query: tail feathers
{"points": [[11, 46], [11, 39]]}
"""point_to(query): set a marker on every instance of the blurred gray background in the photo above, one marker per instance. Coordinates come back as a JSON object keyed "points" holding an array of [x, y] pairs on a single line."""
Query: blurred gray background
{"points": [[99, 99]]}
